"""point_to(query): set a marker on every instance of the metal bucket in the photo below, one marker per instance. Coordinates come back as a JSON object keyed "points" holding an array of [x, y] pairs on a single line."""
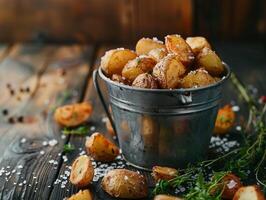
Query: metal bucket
{"points": [[162, 126]]}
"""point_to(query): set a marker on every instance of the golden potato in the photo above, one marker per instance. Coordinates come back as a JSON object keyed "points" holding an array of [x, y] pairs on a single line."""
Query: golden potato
{"points": [[145, 45], [177, 45], [165, 197], [145, 81], [169, 72], [138, 66], [100, 148], [197, 44], [114, 60], [225, 120], [158, 54], [123, 183], [82, 171], [197, 78], [209, 60], [249, 193], [231, 184], [82, 195], [163, 173], [74, 114]]}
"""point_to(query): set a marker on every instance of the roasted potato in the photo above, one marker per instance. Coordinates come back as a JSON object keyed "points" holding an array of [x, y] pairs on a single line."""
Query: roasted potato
{"points": [[145, 81], [165, 197], [163, 173], [249, 193], [123, 183], [231, 183], [197, 44], [158, 54], [73, 115], [138, 66], [118, 78], [209, 60], [82, 171], [197, 78], [114, 60], [82, 195], [225, 120], [100, 148], [177, 45], [145, 45], [169, 72]]}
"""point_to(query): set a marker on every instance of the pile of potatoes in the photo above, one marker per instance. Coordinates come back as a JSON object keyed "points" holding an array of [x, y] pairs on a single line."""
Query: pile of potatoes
{"points": [[177, 63]]}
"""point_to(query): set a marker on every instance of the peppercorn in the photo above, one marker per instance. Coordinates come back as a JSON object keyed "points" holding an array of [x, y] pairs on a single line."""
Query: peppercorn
{"points": [[20, 119], [27, 89], [11, 120], [12, 92], [5, 112]]}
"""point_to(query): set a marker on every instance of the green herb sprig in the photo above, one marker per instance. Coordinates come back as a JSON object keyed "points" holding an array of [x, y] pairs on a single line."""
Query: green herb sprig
{"points": [[68, 148], [81, 130]]}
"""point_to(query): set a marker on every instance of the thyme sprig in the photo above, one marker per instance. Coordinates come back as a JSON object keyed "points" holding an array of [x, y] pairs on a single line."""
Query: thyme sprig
{"points": [[81, 130]]}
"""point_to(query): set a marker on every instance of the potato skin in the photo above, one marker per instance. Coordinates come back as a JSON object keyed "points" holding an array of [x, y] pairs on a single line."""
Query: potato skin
{"points": [[197, 78], [249, 192], [123, 183], [145, 45], [163, 173], [138, 66], [231, 184], [197, 44], [158, 54], [177, 45], [210, 61], [73, 114], [145, 81], [82, 195], [100, 148], [169, 72], [114, 60], [165, 197]]}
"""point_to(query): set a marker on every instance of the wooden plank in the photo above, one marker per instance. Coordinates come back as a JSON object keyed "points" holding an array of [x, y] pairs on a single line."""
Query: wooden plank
{"points": [[23, 144]]}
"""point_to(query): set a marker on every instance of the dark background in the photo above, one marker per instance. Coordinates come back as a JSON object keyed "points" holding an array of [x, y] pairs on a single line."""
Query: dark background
{"points": [[116, 21]]}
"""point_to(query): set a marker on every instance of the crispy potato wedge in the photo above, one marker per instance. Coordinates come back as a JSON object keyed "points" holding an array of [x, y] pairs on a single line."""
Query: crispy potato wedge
{"points": [[163, 173], [138, 66], [231, 185], [100, 148], [82, 195], [177, 45], [145, 81], [249, 193], [197, 44], [123, 183], [82, 171], [165, 197], [169, 72], [210, 61], [145, 45], [225, 120], [73, 115], [114, 60], [158, 54], [197, 78]]}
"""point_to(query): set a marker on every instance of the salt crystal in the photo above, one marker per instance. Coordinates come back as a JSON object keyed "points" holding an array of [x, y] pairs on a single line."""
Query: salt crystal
{"points": [[105, 119], [65, 158], [24, 182], [82, 153], [231, 184], [23, 140], [51, 161], [126, 178], [42, 152], [63, 137], [20, 167], [44, 143], [20, 184], [93, 128], [238, 128], [235, 108], [53, 142]]}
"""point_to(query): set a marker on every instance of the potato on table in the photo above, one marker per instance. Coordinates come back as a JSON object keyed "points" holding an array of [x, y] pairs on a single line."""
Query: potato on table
{"points": [[114, 60], [177, 45], [145, 45], [158, 54], [123, 183], [82, 195], [138, 66], [197, 44], [73, 115], [210, 61], [163, 173], [145, 81], [225, 120], [169, 72], [82, 171], [249, 193], [197, 78], [165, 197], [100, 148]]}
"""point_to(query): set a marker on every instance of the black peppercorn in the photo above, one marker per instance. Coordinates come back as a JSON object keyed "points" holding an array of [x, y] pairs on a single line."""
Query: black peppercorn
{"points": [[11, 120], [5, 112], [12, 92], [27, 89], [20, 119]]}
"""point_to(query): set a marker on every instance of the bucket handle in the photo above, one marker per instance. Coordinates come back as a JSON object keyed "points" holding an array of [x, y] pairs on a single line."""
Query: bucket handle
{"points": [[98, 89]]}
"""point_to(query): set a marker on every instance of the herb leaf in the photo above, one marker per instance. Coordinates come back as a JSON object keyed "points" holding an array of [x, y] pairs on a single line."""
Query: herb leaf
{"points": [[81, 130], [68, 148]]}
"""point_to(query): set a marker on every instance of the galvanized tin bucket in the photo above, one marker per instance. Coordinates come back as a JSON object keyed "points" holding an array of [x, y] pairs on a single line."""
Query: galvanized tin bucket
{"points": [[161, 126]]}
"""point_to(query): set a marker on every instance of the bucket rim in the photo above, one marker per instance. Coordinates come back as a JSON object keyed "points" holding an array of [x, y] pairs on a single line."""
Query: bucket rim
{"points": [[181, 90]]}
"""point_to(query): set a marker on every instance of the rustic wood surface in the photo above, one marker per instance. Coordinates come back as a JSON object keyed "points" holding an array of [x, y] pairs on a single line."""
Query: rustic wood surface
{"points": [[58, 75]]}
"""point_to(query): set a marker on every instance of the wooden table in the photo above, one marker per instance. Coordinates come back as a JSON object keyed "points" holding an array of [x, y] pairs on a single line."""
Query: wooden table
{"points": [[34, 79]]}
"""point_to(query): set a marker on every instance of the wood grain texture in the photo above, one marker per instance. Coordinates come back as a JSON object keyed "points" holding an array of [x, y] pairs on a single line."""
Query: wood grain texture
{"points": [[22, 143]]}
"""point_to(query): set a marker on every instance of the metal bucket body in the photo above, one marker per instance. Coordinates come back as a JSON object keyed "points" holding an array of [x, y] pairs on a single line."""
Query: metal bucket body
{"points": [[163, 127]]}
